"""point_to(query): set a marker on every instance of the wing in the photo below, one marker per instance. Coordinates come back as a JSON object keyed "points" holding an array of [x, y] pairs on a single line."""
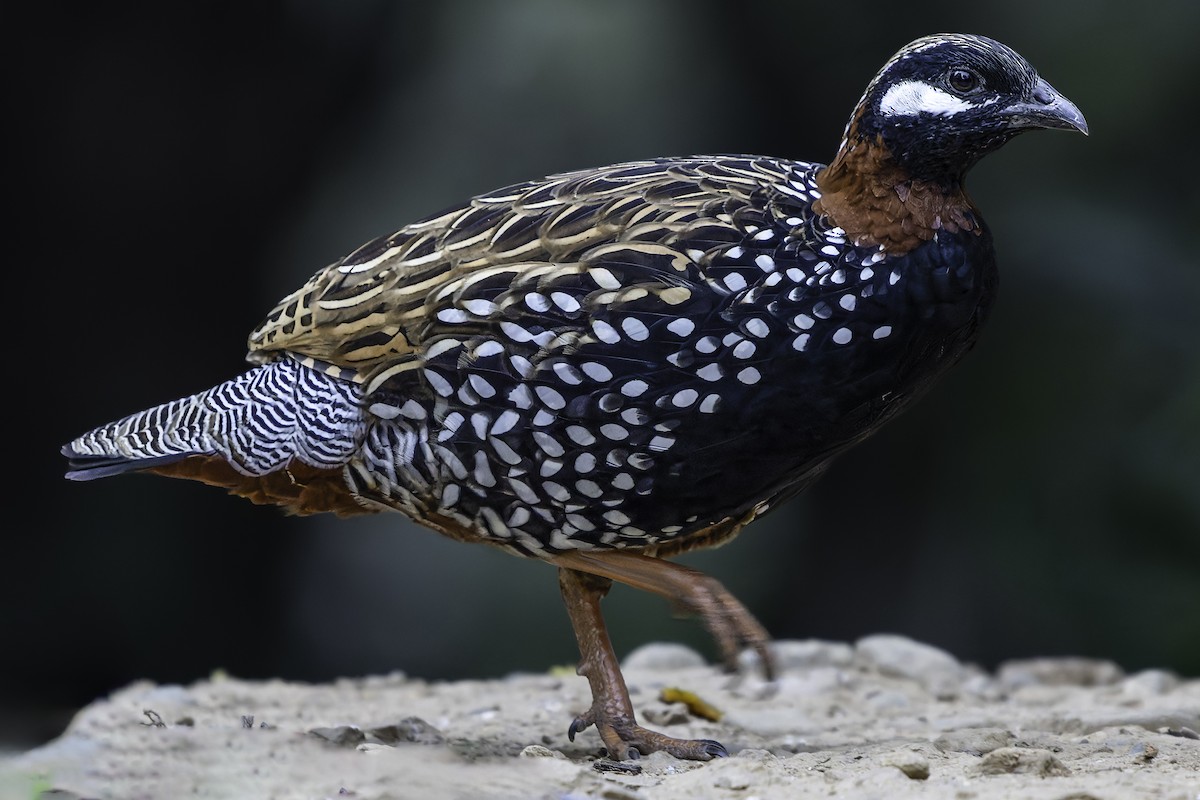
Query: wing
{"points": [[532, 261], [545, 356]]}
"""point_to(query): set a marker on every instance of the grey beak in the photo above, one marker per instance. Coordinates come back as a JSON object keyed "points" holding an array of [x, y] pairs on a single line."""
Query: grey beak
{"points": [[1046, 108]]}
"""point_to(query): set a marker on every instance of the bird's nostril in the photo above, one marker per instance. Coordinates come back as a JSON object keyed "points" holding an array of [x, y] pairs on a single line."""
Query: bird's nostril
{"points": [[1043, 94]]}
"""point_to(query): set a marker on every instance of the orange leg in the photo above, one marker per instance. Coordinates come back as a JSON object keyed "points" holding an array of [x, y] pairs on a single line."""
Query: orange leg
{"points": [[732, 626], [584, 579], [611, 711]]}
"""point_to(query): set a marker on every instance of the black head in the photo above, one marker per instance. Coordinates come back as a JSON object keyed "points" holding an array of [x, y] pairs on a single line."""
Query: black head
{"points": [[944, 101]]}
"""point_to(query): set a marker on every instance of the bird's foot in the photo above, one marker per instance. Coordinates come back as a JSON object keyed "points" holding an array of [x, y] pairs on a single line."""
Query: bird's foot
{"points": [[625, 740], [611, 710], [731, 624]]}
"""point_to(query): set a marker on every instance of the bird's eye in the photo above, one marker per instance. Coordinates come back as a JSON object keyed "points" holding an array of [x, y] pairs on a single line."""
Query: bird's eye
{"points": [[963, 81]]}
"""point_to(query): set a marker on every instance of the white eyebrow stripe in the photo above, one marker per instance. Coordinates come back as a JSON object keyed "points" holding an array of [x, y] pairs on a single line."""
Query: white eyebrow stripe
{"points": [[909, 98]]}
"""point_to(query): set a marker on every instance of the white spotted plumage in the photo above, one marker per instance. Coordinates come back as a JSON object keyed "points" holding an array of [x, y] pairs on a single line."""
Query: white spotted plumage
{"points": [[540, 366]]}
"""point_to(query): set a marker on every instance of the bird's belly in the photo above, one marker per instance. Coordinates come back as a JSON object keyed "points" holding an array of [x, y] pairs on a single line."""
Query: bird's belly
{"points": [[589, 479], [641, 441]]}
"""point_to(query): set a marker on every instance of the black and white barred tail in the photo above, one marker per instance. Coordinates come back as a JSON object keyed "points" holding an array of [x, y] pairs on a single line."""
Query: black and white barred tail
{"points": [[259, 423]]}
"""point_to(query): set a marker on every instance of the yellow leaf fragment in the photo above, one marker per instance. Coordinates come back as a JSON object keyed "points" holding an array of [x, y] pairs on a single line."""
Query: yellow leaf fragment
{"points": [[695, 706]]}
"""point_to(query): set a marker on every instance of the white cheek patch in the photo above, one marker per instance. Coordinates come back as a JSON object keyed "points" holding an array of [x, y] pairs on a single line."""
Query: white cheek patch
{"points": [[910, 98]]}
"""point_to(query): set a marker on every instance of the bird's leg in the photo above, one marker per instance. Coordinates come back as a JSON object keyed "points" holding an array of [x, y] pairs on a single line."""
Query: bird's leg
{"points": [[730, 623], [611, 710]]}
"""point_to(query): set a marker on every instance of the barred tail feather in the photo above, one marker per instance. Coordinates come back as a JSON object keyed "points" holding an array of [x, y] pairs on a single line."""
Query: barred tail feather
{"points": [[258, 423]]}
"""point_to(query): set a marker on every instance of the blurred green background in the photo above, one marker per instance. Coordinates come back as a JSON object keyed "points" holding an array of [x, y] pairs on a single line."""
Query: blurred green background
{"points": [[178, 169]]}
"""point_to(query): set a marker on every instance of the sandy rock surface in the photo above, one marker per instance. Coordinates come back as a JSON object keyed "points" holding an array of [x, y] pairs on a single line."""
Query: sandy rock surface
{"points": [[886, 717]]}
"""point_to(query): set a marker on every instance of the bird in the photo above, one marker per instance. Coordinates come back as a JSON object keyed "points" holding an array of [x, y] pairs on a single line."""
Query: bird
{"points": [[606, 368]]}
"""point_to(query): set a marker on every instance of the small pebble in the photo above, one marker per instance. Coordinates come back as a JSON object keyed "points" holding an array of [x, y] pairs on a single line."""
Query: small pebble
{"points": [[664, 656], [341, 735], [673, 714], [1150, 683], [1058, 672], [1143, 752], [936, 670], [537, 751], [974, 741], [913, 765], [620, 767], [798, 654], [1020, 760]]}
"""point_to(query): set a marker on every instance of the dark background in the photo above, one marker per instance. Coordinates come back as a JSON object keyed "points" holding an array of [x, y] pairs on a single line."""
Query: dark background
{"points": [[175, 170]]}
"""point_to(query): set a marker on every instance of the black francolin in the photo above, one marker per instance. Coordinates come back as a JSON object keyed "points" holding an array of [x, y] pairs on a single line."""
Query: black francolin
{"points": [[608, 367]]}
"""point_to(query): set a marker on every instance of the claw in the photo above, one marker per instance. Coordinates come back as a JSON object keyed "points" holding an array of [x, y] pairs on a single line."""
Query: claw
{"points": [[714, 749], [578, 724]]}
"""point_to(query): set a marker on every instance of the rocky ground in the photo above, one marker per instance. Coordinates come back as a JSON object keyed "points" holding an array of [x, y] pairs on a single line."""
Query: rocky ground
{"points": [[885, 717]]}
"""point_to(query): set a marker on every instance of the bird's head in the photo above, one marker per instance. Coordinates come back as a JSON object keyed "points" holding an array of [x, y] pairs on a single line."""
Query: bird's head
{"points": [[944, 101]]}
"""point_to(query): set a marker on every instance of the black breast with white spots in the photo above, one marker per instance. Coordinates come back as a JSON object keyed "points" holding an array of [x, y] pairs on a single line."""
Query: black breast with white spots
{"points": [[687, 370]]}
